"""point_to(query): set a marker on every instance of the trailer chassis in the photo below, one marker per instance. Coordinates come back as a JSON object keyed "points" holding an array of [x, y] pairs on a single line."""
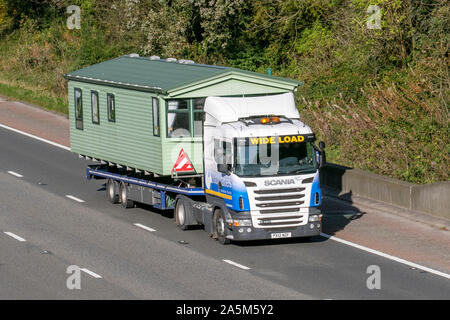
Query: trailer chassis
{"points": [[219, 221]]}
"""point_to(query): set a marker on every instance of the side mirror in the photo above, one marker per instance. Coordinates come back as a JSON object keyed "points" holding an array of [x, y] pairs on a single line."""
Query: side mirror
{"points": [[322, 155], [224, 168]]}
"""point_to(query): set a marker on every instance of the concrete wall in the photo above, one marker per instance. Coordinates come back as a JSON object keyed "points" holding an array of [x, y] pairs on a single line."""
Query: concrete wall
{"points": [[431, 198]]}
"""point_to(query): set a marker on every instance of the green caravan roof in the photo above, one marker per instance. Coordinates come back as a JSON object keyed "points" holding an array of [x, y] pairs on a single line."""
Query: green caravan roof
{"points": [[164, 75]]}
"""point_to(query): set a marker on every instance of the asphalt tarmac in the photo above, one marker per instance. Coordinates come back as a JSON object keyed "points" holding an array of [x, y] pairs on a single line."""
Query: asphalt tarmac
{"points": [[45, 228]]}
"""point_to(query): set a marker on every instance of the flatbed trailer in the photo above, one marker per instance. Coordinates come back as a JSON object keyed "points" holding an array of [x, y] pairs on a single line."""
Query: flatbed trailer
{"points": [[129, 188], [142, 190], [192, 206]]}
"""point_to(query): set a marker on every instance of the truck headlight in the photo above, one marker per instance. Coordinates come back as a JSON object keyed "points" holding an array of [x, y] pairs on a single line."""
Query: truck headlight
{"points": [[315, 217], [242, 223]]}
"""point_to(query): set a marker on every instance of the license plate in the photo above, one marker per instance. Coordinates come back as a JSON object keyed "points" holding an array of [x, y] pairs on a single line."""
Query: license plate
{"points": [[279, 235]]}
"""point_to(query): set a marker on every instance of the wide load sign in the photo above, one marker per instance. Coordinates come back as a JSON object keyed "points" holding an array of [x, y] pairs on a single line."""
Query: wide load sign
{"points": [[278, 139]]}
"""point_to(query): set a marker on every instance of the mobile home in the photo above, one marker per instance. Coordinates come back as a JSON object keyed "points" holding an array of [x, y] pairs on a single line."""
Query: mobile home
{"points": [[139, 112]]}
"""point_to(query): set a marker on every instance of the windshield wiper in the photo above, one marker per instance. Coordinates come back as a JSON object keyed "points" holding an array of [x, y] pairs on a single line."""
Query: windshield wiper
{"points": [[311, 170]]}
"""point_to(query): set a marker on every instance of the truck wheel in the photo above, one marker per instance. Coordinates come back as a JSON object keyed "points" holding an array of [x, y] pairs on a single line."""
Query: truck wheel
{"points": [[112, 192], [219, 225], [126, 203], [180, 214]]}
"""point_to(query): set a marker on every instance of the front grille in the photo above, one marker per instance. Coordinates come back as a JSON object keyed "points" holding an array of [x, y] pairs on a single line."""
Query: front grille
{"points": [[279, 223], [278, 208], [272, 191], [295, 196], [280, 204]]}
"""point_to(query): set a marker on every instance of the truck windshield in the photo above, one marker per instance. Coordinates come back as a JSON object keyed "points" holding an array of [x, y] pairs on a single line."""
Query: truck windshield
{"points": [[273, 159]]}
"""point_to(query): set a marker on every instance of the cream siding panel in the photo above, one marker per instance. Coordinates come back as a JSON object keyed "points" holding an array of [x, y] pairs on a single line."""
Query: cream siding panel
{"points": [[229, 87], [129, 141]]}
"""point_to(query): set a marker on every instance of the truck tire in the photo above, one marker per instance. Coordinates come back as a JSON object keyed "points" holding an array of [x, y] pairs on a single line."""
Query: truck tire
{"points": [[126, 203], [112, 192], [180, 214], [219, 227], [183, 212]]}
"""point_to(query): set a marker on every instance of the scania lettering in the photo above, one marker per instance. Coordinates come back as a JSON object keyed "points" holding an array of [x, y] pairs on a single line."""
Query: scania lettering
{"points": [[277, 182]]}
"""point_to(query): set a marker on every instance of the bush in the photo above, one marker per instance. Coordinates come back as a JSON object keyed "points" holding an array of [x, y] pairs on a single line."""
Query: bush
{"points": [[378, 97]]}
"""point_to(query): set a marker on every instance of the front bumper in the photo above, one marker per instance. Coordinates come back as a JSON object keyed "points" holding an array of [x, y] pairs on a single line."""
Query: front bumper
{"points": [[248, 233]]}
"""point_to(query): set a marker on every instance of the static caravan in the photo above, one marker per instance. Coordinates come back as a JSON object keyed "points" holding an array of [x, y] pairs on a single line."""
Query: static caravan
{"points": [[138, 113]]}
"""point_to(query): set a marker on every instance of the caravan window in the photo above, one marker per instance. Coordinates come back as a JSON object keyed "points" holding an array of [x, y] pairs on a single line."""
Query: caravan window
{"points": [[78, 108], [155, 106], [178, 119], [94, 107], [111, 104]]}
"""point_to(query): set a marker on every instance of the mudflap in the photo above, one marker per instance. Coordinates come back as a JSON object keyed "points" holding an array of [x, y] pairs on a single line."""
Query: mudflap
{"points": [[189, 206]]}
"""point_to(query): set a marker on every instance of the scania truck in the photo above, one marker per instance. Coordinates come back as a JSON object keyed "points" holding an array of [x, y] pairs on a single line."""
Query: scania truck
{"points": [[260, 175]]}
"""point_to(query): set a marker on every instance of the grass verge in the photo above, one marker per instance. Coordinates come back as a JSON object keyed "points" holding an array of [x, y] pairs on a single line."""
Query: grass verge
{"points": [[35, 97]]}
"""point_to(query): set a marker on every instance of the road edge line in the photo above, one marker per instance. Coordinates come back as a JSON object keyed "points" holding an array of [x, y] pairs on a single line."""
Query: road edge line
{"points": [[373, 251], [387, 256], [35, 137]]}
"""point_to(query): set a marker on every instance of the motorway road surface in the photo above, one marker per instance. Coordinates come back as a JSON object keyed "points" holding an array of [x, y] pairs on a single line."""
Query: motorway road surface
{"points": [[42, 232]]}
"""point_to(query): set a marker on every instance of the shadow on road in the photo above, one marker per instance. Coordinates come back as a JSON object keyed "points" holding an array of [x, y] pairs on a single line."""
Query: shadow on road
{"points": [[276, 242], [337, 214]]}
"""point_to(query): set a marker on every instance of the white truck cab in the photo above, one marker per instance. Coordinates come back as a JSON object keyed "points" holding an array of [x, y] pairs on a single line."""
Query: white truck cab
{"points": [[261, 168]]}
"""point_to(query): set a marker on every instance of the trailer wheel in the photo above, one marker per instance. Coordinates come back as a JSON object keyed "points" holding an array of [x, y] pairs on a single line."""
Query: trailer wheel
{"points": [[183, 212], [180, 213], [126, 203], [220, 225], [112, 192]]}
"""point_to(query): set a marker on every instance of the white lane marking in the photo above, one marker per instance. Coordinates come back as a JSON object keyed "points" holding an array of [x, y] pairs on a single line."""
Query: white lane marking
{"points": [[144, 227], [74, 198], [15, 236], [18, 175], [436, 272], [36, 137], [387, 256], [236, 264], [91, 273]]}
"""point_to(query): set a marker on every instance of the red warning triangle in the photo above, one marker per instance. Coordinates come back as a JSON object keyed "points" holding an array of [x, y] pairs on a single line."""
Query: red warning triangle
{"points": [[183, 164]]}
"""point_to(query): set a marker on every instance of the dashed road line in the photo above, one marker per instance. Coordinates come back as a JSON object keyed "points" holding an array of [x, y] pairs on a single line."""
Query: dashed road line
{"points": [[18, 175], [376, 252], [387, 256], [91, 273], [15, 236], [236, 264], [144, 227], [74, 198]]}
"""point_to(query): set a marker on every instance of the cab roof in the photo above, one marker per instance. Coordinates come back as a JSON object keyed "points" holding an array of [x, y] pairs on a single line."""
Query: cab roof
{"points": [[226, 110]]}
